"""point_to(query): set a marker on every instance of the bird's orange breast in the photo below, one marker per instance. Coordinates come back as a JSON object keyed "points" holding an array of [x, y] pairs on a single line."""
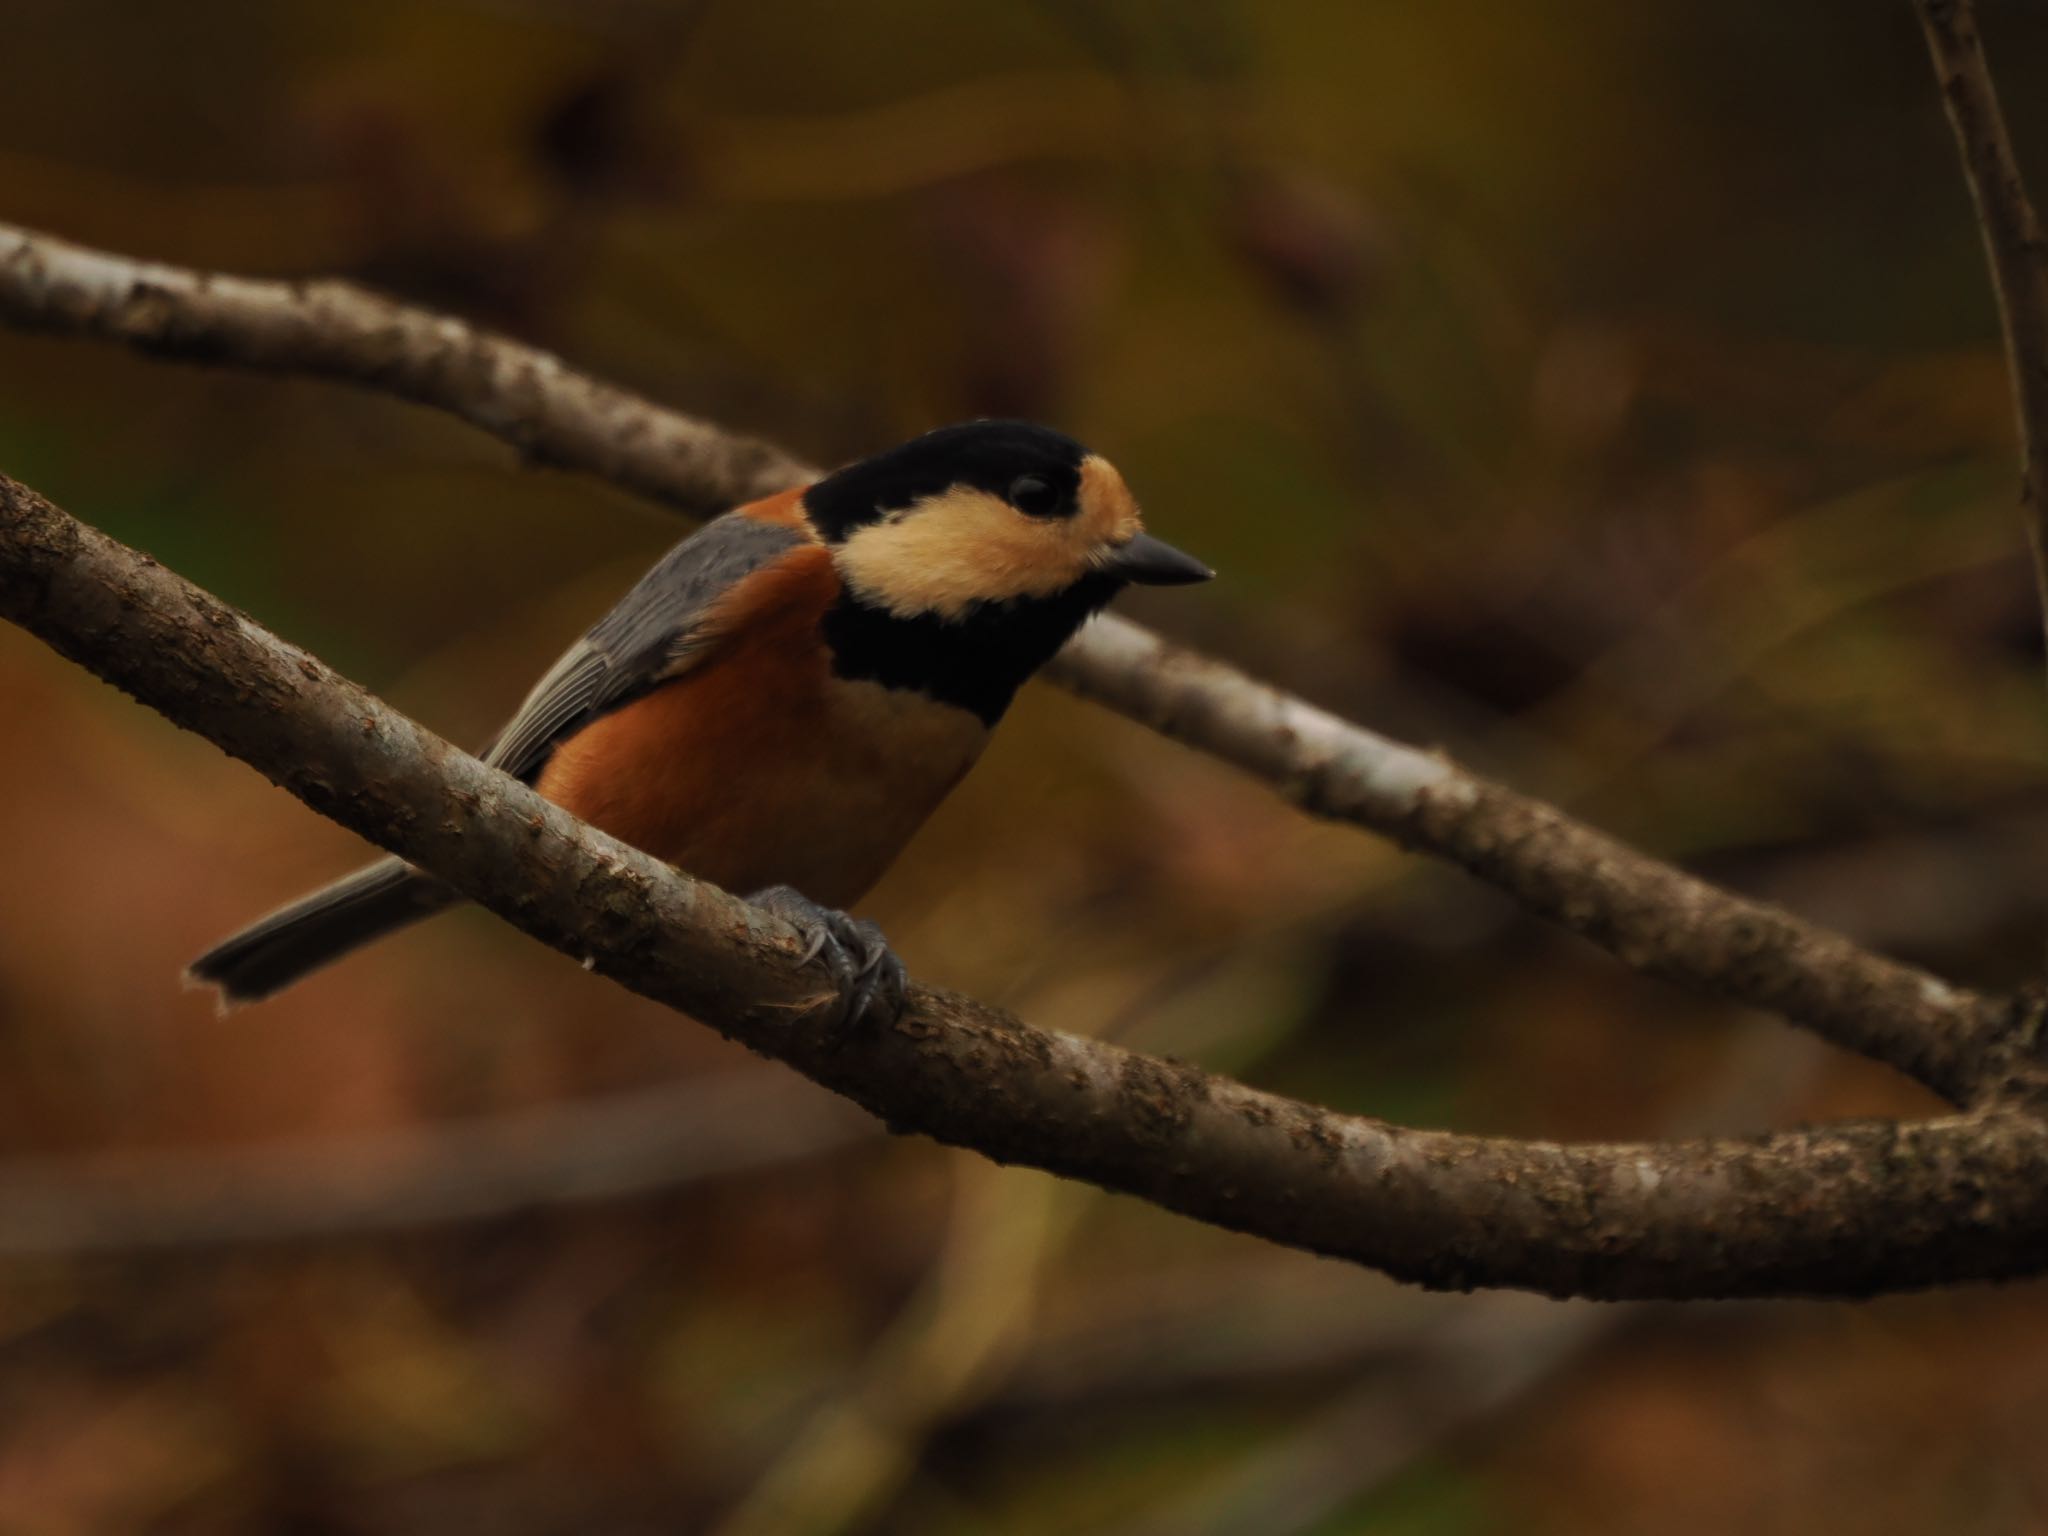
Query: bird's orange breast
{"points": [[757, 766]]}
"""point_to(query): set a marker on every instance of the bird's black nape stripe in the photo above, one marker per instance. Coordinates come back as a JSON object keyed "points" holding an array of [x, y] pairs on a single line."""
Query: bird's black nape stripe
{"points": [[977, 662], [988, 455]]}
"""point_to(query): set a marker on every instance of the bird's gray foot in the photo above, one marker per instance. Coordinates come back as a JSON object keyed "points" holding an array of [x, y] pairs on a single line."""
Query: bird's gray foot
{"points": [[865, 972]]}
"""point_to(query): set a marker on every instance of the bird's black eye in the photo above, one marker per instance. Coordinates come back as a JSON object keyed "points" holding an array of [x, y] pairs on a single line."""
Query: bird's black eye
{"points": [[1034, 496]]}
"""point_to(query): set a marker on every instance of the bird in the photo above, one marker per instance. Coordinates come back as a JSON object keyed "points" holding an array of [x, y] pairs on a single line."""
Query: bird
{"points": [[789, 693]]}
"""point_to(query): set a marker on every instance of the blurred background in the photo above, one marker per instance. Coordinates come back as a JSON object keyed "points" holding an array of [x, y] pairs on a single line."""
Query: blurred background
{"points": [[1608, 393]]}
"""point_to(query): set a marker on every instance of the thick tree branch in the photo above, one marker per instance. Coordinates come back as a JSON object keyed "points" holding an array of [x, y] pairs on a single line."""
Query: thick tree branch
{"points": [[1845, 1210], [1650, 915], [2013, 245]]}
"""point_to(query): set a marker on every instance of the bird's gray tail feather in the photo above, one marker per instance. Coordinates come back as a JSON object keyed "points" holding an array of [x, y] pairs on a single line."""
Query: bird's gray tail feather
{"points": [[269, 956]]}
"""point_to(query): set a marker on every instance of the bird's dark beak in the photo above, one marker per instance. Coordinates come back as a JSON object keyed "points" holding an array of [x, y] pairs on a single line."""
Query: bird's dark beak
{"points": [[1155, 563]]}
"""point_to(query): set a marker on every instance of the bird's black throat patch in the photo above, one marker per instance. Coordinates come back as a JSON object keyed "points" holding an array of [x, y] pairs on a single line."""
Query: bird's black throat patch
{"points": [[976, 662]]}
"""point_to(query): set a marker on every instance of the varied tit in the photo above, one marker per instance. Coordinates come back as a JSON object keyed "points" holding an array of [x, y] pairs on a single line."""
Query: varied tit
{"points": [[782, 700]]}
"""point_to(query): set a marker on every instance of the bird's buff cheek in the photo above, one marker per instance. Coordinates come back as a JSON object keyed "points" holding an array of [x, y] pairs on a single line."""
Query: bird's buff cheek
{"points": [[959, 549]]}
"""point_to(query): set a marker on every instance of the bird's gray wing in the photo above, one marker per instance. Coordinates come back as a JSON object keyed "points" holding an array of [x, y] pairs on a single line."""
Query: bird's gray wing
{"points": [[656, 630]]}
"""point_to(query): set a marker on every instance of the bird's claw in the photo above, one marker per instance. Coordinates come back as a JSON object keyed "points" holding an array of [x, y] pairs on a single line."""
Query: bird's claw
{"points": [[868, 978]]}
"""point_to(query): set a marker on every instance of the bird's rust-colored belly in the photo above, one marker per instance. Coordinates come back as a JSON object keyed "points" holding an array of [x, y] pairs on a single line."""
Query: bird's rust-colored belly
{"points": [[759, 768]]}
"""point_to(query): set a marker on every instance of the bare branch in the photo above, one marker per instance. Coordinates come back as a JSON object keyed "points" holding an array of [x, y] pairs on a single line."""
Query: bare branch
{"points": [[1844, 1210], [335, 330], [1649, 914], [2012, 244]]}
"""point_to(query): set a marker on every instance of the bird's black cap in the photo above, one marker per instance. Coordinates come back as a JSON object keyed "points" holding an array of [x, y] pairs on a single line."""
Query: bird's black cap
{"points": [[990, 456]]}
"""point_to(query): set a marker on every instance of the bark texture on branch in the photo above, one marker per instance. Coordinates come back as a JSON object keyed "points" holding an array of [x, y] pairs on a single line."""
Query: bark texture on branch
{"points": [[1843, 1210], [1647, 913]]}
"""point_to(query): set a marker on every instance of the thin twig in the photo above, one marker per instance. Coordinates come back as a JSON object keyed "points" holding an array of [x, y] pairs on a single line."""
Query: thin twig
{"points": [[1962, 1197], [1645, 912], [1476, 1369], [839, 1468], [575, 1154], [2013, 246]]}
